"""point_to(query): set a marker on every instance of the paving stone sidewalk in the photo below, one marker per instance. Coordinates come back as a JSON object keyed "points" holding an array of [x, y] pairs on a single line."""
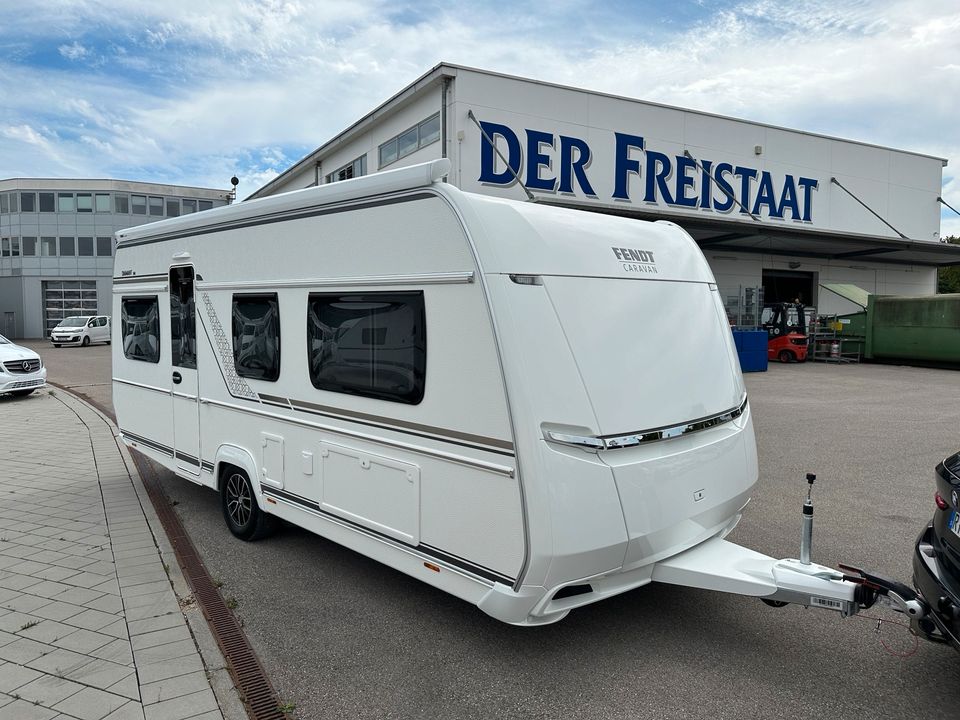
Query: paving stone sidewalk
{"points": [[90, 627]]}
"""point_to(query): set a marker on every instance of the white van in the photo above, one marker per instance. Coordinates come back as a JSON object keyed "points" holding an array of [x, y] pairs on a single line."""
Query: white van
{"points": [[81, 330], [532, 408]]}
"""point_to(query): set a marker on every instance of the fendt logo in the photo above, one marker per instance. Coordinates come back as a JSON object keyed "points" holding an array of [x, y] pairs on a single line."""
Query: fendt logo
{"points": [[633, 260]]}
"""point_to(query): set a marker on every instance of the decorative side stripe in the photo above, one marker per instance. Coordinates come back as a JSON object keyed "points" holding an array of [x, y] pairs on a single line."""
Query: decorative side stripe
{"points": [[165, 449], [236, 385], [473, 568], [502, 447]]}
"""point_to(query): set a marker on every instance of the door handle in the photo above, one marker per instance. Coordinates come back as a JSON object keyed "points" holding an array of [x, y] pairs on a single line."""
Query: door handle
{"points": [[177, 378]]}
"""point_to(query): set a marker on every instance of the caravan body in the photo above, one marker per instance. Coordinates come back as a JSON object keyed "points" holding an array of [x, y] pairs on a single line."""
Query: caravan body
{"points": [[491, 396]]}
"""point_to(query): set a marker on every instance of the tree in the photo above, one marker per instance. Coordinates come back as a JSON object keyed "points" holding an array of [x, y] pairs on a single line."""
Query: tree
{"points": [[948, 278]]}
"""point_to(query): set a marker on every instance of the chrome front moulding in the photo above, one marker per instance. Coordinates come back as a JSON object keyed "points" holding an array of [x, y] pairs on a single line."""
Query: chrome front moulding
{"points": [[615, 442]]}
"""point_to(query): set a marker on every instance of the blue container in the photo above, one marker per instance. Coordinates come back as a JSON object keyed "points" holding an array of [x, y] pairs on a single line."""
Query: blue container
{"points": [[751, 349]]}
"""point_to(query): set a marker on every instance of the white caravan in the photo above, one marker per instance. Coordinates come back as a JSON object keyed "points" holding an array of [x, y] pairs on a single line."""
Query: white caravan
{"points": [[530, 407]]}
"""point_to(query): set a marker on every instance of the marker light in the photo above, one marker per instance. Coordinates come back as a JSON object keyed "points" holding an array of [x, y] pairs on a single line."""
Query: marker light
{"points": [[941, 503]]}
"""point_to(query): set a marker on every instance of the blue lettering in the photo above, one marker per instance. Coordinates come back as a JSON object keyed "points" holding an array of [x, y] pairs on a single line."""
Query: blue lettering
{"points": [[766, 196], [659, 168], [488, 157], [745, 175], [625, 165], [788, 199], [684, 181], [727, 202], [706, 184], [570, 167], [536, 159], [807, 184]]}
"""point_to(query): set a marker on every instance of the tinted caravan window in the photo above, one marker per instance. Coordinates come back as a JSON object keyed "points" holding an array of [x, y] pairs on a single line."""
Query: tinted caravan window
{"points": [[141, 328], [370, 344], [256, 336]]}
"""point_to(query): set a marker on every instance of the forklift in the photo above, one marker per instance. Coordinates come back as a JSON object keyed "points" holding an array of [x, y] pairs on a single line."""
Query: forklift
{"points": [[786, 326]]}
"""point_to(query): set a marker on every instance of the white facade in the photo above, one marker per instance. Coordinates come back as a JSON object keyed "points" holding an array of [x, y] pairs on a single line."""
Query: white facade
{"points": [[771, 207]]}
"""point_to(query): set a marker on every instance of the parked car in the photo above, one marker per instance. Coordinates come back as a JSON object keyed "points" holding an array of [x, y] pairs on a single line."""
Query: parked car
{"points": [[936, 560], [21, 369], [82, 330]]}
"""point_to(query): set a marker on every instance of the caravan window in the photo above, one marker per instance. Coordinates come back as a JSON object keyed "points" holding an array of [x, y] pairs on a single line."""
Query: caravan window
{"points": [[370, 344], [141, 328], [256, 336]]}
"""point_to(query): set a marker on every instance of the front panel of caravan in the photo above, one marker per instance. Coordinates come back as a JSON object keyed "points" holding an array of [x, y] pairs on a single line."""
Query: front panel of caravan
{"points": [[630, 398]]}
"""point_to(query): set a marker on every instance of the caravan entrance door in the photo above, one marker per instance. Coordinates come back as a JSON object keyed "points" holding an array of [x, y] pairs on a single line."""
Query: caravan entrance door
{"points": [[183, 376]]}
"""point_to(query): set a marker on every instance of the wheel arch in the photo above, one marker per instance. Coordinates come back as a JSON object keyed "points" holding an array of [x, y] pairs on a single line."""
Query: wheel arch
{"points": [[235, 456]]}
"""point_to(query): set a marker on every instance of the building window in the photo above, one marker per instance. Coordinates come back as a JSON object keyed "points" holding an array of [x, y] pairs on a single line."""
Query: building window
{"points": [[121, 204], [4, 203], [371, 344], [84, 202], [28, 202], [47, 202], [138, 204], [140, 328], [48, 246], [85, 246], [256, 336], [65, 202], [14, 205], [66, 247], [189, 206], [173, 207], [156, 206], [103, 203], [29, 246], [351, 170], [204, 205], [104, 246], [420, 135], [5, 247], [15, 246]]}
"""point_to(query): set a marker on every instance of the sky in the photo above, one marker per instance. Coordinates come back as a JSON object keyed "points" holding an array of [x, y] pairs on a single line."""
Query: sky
{"points": [[191, 93]]}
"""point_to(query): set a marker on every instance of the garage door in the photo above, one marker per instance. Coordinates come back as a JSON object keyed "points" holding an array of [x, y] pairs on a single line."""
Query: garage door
{"points": [[63, 298]]}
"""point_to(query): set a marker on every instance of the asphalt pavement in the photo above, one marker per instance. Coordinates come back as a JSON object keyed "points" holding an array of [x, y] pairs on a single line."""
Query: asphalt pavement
{"points": [[343, 636]]}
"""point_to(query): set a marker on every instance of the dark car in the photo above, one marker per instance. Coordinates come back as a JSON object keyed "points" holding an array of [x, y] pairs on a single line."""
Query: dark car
{"points": [[936, 561]]}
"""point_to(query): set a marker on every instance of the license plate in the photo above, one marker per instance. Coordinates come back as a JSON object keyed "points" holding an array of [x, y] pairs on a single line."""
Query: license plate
{"points": [[954, 522]]}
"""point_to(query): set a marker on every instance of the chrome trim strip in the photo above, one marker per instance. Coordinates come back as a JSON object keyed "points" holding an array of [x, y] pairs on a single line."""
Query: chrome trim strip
{"points": [[356, 281], [151, 277], [615, 442], [419, 449], [483, 443], [183, 396], [140, 289], [165, 391]]}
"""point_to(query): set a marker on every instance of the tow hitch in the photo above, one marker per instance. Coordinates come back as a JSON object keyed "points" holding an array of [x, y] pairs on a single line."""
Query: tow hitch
{"points": [[724, 566]]}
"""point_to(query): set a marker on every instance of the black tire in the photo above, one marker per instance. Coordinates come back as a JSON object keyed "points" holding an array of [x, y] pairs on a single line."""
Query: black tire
{"points": [[243, 516], [786, 356], [56, 344], [86, 341], [22, 393]]}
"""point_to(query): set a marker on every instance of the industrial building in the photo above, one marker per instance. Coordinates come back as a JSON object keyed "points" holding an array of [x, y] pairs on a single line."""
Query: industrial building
{"points": [[56, 243], [774, 210]]}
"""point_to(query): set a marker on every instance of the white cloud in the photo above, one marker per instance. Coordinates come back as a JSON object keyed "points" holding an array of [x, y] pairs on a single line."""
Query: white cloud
{"points": [[73, 51]]}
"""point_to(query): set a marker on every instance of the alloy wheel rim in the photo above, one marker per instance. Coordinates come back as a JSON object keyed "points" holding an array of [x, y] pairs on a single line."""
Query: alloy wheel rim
{"points": [[239, 500]]}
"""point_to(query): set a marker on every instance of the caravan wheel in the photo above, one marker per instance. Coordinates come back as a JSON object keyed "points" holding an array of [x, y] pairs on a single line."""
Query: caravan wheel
{"points": [[244, 517]]}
